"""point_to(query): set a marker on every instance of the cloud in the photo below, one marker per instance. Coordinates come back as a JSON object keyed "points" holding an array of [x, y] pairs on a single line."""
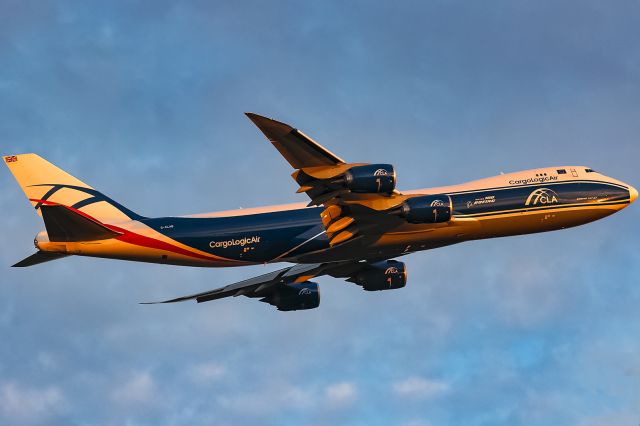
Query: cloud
{"points": [[138, 389], [24, 404], [418, 387], [208, 372], [268, 400], [144, 101], [339, 394], [626, 417], [46, 360]]}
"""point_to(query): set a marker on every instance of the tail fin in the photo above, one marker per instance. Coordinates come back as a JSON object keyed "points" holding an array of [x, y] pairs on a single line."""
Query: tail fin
{"points": [[45, 184]]}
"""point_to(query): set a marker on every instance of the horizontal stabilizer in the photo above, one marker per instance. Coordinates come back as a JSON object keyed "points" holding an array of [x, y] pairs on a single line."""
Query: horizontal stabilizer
{"points": [[64, 224], [39, 257]]}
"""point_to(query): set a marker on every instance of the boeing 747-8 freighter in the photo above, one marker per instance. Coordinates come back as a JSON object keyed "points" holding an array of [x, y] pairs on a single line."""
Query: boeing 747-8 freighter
{"points": [[354, 225]]}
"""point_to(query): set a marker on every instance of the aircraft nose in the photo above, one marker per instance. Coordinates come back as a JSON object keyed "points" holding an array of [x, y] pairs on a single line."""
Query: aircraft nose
{"points": [[633, 194]]}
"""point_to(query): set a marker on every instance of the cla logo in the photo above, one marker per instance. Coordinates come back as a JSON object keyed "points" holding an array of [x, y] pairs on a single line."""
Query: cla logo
{"points": [[380, 172], [437, 203], [391, 270], [304, 292], [541, 196], [11, 159]]}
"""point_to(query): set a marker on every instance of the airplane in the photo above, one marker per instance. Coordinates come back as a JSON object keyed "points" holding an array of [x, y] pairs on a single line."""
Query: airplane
{"points": [[354, 225]]}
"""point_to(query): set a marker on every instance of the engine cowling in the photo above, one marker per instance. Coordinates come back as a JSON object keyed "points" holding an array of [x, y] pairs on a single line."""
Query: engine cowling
{"points": [[372, 178], [427, 209], [385, 275], [295, 296]]}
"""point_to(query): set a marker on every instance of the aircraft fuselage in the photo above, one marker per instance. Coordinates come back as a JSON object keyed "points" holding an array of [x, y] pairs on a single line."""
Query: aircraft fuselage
{"points": [[525, 202]]}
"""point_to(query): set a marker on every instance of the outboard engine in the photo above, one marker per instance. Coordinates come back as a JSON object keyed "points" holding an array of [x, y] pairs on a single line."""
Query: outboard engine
{"points": [[427, 209], [385, 275], [294, 296]]}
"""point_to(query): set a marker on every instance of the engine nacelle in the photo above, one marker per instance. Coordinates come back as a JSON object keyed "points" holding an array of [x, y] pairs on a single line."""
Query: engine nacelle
{"points": [[372, 178], [295, 296], [427, 209], [385, 275]]}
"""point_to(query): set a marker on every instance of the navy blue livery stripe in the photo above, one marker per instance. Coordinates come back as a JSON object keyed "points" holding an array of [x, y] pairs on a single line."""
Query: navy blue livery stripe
{"points": [[524, 198], [255, 238], [269, 236]]}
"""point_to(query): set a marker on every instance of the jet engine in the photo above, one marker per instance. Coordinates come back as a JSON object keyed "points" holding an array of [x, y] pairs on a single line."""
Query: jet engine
{"points": [[427, 209], [372, 178], [294, 296], [385, 275]]}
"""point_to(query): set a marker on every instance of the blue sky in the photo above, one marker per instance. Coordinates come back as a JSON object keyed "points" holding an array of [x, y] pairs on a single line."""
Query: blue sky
{"points": [[144, 101]]}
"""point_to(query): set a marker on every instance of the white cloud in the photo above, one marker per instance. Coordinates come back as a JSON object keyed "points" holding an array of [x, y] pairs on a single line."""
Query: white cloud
{"points": [[418, 387], [268, 400], [626, 417], [527, 294], [138, 389], [341, 393], [46, 361], [30, 404], [207, 372]]}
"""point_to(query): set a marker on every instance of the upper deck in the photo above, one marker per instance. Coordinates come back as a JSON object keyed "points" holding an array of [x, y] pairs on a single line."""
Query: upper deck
{"points": [[521, 178]]}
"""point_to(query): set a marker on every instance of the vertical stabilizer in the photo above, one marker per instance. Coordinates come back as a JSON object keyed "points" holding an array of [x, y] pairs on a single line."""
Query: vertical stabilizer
{"points": [[45, 184]]}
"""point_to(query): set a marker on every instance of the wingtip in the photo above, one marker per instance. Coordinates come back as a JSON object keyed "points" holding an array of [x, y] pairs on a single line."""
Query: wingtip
{"points": [[162, 302], [157, 302], [271, 128], [255, 117]]}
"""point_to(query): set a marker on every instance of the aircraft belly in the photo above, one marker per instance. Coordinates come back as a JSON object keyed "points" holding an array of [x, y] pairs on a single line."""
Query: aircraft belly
{"points": [[116, 249], [531, 222]]}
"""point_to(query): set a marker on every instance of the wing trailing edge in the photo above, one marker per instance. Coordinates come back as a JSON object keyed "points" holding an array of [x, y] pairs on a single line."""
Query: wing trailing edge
{"points": [[264, 285]]}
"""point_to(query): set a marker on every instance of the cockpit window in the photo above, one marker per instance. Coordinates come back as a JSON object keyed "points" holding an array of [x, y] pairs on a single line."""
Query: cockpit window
{"points": [[589, 170], [561, 171]]}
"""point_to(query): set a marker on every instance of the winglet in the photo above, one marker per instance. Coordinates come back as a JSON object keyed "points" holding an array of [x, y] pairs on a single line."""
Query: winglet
{"points": [[296, 147]]}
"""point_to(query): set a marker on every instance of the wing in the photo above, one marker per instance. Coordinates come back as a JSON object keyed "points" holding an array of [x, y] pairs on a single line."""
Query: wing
{"points": [[296, 147], [361, 203], [277, 287], [360, 199]]}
